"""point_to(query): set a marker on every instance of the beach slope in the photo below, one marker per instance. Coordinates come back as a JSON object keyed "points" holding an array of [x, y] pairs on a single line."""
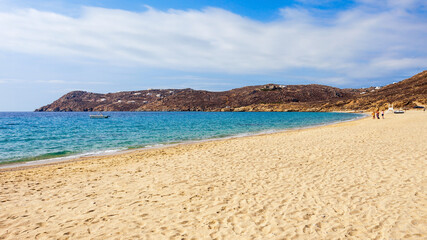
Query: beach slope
{"points": [[364, 179]]}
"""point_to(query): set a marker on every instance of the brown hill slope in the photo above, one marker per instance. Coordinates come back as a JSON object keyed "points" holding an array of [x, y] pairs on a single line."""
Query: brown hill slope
{"points": [[194, 100], [404, 94], [271, 97]]}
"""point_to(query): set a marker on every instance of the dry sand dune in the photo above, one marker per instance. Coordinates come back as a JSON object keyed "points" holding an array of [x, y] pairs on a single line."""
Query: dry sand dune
{"points": [[357, 180]]}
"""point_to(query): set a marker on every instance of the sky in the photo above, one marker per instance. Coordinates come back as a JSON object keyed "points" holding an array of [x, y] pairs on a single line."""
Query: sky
{"points": [[49, 48]]}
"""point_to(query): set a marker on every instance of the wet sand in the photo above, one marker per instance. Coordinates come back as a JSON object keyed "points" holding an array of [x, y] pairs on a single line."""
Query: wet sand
{"points": [[364, 179]]}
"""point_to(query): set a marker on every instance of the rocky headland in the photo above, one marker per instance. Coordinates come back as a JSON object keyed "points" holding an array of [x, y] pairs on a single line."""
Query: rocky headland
{"points": [[407, 93]]}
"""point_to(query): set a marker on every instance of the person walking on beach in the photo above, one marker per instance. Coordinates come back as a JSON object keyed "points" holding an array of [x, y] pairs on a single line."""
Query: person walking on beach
{"points": [[373, 115], [382, 114], [378, 114]]}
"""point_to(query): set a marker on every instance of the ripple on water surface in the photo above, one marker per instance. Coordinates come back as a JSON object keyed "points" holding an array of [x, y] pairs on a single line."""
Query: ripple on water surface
{"points": [[33, 136]]}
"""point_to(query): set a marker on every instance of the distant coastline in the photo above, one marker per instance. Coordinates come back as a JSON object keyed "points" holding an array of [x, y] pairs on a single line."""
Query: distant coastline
{"points": [[405, 94]]}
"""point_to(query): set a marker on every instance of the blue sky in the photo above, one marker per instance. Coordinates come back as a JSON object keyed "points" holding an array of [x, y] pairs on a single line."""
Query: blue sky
{"points": [[48, 48]]}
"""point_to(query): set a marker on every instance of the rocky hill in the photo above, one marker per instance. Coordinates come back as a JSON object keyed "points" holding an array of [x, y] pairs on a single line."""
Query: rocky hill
{"points": [[405, 94], [270, 97]]}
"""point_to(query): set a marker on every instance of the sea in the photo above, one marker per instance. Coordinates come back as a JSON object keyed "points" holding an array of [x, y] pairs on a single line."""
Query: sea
{"points": [[36, 136]]}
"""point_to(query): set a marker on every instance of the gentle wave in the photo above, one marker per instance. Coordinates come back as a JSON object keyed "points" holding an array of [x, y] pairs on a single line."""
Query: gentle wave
{"points": [[39, 136]]}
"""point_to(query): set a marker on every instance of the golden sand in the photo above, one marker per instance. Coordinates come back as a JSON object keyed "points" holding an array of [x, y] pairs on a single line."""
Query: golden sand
{"points": [[357, 180]]}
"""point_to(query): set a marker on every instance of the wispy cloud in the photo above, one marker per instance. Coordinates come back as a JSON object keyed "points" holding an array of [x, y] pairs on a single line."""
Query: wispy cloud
{"points": [[187, 77], [52, 82], [11, 80], [354, 43], [395, 4], [71, 82]]}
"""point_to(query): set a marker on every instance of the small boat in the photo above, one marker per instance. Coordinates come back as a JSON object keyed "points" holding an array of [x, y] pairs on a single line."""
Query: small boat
{"points": [[99, 116], [399, 112]]}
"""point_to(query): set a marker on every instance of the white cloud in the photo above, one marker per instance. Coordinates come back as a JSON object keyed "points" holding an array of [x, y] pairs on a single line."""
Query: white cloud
{"points": [[71, 82], [52, 82], [11, 80], [354, 43], [187, 77], [398, 4]]}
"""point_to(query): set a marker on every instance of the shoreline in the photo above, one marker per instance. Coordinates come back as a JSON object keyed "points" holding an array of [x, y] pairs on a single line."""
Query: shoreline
{"points": [[362, 179], [114, 152]]}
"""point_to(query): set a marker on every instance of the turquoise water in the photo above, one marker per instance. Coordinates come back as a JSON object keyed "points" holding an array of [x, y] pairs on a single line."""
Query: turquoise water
{"points": [[26, 136]]}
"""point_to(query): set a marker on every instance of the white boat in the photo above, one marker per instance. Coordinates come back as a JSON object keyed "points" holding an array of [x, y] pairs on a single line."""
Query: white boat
{"points": [[399, 112], [99, 116]]}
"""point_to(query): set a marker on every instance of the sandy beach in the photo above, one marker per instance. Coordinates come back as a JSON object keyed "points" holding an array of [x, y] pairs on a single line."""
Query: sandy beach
{"points": [[364, 179]]}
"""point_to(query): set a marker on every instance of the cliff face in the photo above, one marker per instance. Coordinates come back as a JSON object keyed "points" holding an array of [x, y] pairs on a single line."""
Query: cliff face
{"points": [[271, 97]]}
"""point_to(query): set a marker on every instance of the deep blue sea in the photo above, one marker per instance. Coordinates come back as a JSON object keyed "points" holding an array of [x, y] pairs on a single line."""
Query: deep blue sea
{"points": [[27, 136]]}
